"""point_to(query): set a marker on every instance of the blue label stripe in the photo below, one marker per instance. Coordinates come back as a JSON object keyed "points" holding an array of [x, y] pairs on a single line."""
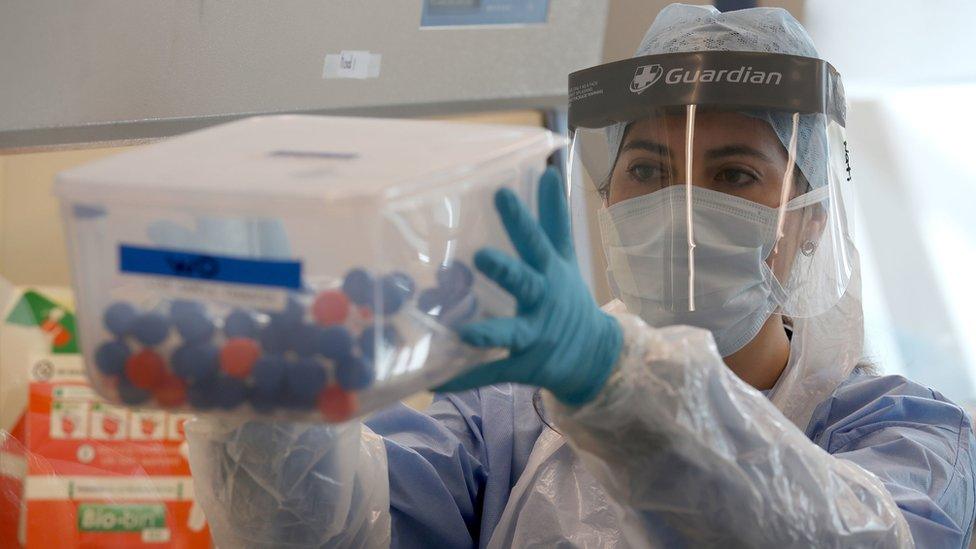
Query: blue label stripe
{"points": [[217, 268]]}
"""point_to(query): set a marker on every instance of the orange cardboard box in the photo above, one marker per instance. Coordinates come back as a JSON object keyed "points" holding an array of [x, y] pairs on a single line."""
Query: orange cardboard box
{"points": [[100, 475], [96, 475]]}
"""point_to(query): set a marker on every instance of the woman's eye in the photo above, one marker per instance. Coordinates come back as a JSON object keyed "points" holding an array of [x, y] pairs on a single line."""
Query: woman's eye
{"points": [[736, 177], [645, 172]]}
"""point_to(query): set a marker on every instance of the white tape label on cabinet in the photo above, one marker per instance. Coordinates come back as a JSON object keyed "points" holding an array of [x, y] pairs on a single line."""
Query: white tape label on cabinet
{"points": [[357, 64]]}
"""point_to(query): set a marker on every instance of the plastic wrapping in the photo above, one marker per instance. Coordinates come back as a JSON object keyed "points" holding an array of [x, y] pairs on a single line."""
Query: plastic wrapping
{"points": [[677, 451], [291, 266], [272, 484]]}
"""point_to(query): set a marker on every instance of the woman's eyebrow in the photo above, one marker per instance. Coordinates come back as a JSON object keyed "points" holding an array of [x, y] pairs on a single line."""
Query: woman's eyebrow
{"points": [[736, 150], [649, 146]]}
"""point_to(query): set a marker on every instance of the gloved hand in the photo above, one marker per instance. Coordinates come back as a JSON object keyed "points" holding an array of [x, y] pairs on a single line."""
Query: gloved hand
{"points": [[276, 484], [559, 339]]}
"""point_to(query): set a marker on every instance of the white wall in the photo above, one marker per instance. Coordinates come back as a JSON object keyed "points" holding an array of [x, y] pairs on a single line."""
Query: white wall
{"points": [[887, 42], [910, 73], [31, 240]]}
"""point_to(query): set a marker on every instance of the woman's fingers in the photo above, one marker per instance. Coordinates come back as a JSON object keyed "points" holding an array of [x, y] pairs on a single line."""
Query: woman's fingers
{"points": [[525, 233], [507, 332], [554, 214], [526, 285]]}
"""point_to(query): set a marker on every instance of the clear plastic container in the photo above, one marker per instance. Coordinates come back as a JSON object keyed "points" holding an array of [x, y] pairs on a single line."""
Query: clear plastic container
{"points": [[295, 266]]}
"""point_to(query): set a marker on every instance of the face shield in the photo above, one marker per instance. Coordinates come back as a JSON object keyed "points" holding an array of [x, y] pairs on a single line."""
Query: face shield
{"points": [[724, 178]]}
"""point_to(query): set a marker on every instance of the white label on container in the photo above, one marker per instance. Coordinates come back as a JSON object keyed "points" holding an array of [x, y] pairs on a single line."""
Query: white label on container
{"points": [[357, 64], [254, 297]]}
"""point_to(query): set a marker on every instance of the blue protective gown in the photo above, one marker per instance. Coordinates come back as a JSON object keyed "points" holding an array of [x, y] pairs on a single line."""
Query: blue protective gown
{"points": [[452, 468]]}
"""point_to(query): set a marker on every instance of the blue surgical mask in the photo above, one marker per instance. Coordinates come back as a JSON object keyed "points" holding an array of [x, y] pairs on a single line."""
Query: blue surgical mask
{"points": [[735, 291]]}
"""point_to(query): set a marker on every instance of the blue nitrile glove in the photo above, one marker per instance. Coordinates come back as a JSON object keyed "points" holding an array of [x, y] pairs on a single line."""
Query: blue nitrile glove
{"points": [[559, 339]]}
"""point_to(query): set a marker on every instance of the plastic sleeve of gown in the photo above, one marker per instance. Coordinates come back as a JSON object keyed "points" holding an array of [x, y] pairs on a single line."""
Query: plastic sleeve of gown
{"points": [[697, 457], [275, 484]]}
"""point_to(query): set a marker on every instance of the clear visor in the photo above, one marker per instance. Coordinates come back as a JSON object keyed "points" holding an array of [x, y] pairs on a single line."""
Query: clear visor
{"points": [[712, 212]]}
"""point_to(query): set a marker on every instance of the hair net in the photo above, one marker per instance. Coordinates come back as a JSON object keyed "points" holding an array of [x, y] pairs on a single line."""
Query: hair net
{"points": [[684, 28]]}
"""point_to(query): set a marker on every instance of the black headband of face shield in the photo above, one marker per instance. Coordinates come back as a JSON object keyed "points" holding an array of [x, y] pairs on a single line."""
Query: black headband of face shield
{"points": [[626, 90]]}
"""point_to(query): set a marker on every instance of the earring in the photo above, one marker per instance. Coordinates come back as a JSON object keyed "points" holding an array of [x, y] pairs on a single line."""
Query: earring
{"points": [[808, 248]]}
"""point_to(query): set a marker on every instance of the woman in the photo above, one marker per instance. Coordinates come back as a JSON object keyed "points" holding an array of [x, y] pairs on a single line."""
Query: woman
{"points": [[717, 402]]}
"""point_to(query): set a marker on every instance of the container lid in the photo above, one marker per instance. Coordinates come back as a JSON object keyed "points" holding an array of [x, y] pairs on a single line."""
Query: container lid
{"points": [[299, 156]]}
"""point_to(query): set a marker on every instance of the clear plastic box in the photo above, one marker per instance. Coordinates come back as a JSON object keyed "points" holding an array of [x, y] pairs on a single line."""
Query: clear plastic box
{"points": [[296, 266]]}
